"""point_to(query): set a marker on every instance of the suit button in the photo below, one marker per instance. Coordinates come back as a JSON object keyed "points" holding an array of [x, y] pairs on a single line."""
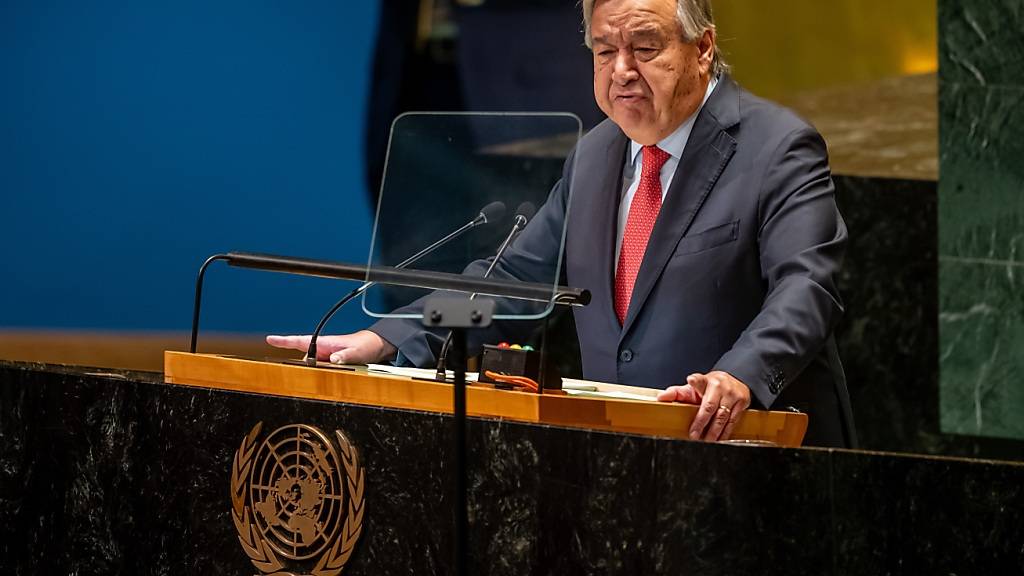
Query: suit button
{"points": [[626, 355]]}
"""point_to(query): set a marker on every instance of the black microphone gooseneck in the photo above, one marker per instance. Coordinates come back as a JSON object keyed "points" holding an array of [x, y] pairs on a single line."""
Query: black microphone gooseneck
{"points": [[524, 214], [490, 213]]}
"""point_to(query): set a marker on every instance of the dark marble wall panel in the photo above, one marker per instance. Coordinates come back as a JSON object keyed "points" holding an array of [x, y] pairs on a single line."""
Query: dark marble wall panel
{"points": [[711, 501], [980, 42], [127, 475], [888, 338], [921, 507], [981, 217], [982, 353]]}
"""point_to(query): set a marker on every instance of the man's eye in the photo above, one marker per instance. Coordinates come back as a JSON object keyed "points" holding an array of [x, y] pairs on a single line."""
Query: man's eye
{"points": [[605, 53]]}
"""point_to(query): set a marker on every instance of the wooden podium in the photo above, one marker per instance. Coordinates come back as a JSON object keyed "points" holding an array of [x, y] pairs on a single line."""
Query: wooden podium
{"points": [[356, 385], [109, 471]]}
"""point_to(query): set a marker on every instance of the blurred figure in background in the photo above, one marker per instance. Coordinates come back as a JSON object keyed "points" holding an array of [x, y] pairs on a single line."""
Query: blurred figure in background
{"points": [[447, 55]]}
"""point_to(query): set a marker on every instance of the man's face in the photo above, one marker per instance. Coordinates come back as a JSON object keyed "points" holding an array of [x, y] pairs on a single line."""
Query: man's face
{"points": [[647, 79]]}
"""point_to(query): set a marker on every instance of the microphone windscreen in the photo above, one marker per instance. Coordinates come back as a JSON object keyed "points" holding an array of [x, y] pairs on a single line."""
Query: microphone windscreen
{"points": [[527, 210], [493, 212]]}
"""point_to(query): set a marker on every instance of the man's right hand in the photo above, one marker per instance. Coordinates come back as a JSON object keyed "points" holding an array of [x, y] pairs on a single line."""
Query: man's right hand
{"points": [[363, 347]]}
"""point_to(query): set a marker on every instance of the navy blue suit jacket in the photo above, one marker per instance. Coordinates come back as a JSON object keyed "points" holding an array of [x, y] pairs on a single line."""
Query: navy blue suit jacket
{"points": [[740, 271]]}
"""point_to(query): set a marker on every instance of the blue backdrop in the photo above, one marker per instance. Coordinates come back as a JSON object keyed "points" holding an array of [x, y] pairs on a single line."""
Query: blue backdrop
{"points": [[137, 138]]}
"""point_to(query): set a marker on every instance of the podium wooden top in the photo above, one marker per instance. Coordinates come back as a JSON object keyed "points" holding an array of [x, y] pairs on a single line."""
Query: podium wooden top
{"points": [[357, 386]]}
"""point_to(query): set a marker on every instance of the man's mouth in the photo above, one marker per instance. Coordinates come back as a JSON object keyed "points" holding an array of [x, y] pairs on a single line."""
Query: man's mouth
{"points": [[628, 98]]}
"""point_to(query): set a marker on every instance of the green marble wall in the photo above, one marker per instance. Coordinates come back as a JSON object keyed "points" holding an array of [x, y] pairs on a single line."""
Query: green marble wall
{"points": [[981, 217]]}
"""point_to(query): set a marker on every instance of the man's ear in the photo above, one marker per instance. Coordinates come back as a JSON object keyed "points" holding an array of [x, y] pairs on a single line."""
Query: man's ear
{"points": [[706, 51]]}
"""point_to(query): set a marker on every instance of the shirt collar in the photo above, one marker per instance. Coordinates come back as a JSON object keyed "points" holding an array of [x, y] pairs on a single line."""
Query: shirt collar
{"points": [[675, 142]]}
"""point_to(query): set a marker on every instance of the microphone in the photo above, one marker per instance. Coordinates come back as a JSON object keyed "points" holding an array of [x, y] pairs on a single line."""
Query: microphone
{"points": [[524, 214], [493, 212], [490, 213]]}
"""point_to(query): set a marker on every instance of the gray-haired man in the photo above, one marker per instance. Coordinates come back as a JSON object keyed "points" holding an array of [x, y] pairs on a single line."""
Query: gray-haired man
{"points": [[704, 223]]}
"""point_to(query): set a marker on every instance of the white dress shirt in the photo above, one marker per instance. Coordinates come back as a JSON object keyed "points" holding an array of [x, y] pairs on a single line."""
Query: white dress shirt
{"points": [[674, 144]]}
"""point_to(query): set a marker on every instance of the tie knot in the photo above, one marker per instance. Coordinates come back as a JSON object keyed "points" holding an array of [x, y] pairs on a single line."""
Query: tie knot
{"points": [[654, 159]]}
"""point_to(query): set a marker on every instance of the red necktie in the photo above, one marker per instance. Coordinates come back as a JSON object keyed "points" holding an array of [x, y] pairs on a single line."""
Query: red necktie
{"points": [[643, 211]]}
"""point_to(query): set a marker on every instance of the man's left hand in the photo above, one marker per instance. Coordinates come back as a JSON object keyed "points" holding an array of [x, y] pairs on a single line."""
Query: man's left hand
{"points": [[722, 400]]}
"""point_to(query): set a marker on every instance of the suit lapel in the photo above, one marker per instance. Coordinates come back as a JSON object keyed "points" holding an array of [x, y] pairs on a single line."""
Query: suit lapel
{"points": [[705, 157], [605, 209]]}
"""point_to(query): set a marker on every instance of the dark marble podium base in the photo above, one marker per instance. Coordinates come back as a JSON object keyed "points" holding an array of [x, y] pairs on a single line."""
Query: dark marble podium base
{"points": [[123, 474]]}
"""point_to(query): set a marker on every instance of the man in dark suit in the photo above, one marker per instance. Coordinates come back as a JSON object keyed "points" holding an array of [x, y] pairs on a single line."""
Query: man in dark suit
{"points": [[704, 223]]}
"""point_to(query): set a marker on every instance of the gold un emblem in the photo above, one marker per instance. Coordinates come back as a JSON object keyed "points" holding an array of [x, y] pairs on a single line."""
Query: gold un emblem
{"points": [[295, 497]]}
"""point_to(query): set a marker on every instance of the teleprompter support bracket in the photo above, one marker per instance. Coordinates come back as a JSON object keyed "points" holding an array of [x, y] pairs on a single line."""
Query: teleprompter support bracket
{"points": [[459, 315], [449, 312]]}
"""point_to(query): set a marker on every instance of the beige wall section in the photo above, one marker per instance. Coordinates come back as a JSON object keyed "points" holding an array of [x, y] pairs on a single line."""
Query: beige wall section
{"points": [[127, 350], [862, 71], [783, 47]]}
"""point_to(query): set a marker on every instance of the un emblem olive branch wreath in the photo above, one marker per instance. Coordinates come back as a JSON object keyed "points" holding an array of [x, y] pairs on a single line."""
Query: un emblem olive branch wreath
{"points": [[263, 558], [260, 553], [334, 559]]}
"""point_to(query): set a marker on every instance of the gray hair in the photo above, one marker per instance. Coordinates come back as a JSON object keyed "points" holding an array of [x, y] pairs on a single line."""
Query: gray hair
{"points": [[695, 17]]}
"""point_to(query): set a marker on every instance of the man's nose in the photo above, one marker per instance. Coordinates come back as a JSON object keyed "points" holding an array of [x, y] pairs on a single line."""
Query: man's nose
{"points": [[625, 70]]}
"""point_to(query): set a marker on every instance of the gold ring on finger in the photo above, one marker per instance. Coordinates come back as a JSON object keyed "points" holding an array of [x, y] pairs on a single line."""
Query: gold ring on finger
{"points": [[726, 409]]}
